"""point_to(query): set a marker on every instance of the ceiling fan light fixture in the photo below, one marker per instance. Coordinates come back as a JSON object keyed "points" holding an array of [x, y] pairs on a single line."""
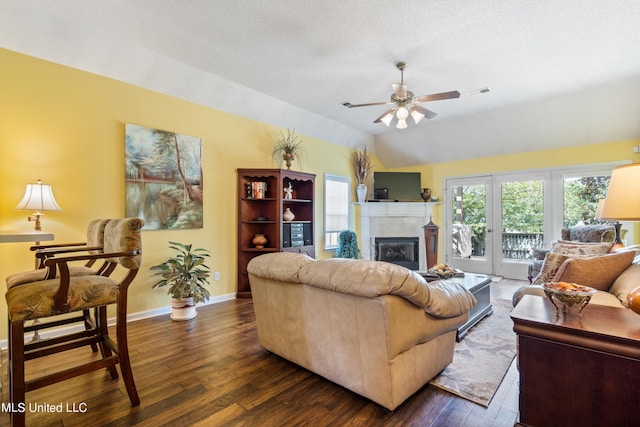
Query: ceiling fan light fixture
{"points": [[405, 103], [386, 119], [402, 113], [417, 115]]}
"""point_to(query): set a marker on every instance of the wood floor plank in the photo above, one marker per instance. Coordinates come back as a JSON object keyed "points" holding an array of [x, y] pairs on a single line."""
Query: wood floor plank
{"points": [[211, 371]]}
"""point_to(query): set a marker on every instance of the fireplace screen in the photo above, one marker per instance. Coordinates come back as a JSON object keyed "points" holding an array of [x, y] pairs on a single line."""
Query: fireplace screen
{"points": [[398, 250]]}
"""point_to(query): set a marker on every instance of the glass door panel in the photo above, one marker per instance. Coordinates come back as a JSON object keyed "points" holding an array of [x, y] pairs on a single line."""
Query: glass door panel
{"points": [[522, 218], [469, 232], [520, 226]]}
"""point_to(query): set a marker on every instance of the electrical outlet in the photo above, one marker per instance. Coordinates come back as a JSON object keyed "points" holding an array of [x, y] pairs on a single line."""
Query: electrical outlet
{"points": [[636, 149], [216, 275]]}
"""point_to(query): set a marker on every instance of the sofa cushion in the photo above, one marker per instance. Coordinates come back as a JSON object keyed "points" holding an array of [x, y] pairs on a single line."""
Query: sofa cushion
{"points": [[566, 247], [598, 272], [373, 278], [625, 283]]}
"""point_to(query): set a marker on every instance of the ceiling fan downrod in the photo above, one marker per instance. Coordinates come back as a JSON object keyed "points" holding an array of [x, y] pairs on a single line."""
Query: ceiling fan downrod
{"points": [[401, 66]]}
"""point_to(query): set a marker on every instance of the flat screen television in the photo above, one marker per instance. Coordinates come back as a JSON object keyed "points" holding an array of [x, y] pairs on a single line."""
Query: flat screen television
{"points": [[397, 186]]}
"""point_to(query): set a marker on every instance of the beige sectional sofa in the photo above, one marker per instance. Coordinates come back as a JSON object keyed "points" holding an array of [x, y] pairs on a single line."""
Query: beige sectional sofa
{"points": [[614, 275], [375, 328]]}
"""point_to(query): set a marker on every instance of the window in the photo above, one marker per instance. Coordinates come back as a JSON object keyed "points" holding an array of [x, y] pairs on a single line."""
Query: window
{"points": [[336, 208], [581, 195]]}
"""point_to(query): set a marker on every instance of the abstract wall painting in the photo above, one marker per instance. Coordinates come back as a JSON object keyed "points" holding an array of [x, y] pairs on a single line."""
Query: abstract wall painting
{"points": [[163, 178]]}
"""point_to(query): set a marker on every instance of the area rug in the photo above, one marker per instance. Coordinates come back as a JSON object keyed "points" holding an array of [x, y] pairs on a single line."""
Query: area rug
{"points": [[482, 358]]}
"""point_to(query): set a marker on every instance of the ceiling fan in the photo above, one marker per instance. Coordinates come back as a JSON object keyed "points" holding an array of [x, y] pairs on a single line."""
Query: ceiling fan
{"points": [[406, 103]]}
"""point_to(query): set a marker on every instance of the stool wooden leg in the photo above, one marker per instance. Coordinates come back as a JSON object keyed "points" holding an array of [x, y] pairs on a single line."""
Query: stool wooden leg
{"points": [[16, 373], [123, 352], [88, 325], [105, 350]]}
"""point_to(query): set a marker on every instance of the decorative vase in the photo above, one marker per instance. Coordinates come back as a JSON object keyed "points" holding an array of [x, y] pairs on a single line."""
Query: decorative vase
{"points": [[288, 215], [259, 240], [288, 157], [361, 193], [183, 309], [426, 194]]}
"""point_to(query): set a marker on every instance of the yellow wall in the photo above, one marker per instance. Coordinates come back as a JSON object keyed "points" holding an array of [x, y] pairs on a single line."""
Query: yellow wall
{"points": [[66, 127]]}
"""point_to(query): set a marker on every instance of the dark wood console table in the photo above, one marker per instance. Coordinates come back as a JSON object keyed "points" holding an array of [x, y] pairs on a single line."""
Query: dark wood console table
{"points": [[577, 372]]}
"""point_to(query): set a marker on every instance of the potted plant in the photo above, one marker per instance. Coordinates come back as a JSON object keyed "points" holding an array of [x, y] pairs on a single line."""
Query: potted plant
{"points": [[186, 274], [347, 245], [288, 147], [361, 168]]}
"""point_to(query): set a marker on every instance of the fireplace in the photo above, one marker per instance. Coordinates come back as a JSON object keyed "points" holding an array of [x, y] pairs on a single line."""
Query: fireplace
{"points": [[393, 219], [403, 251]]}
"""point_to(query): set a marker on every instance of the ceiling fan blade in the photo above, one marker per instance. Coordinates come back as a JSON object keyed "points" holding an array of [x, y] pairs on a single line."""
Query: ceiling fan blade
{"points": [[400, 90], [438, 96], [350, 105], [428, 114], [379, 119]]}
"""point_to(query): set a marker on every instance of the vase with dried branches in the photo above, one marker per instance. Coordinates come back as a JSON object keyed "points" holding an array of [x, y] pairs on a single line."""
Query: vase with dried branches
{"points": [[361, 167], [288, 148]]}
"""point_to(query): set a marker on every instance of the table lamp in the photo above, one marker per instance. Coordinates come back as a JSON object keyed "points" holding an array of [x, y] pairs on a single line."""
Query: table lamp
{"points": [[622, 203], [38, 197]]}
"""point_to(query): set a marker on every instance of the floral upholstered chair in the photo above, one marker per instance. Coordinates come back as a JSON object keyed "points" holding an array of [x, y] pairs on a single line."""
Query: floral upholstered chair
{"points": [[64, 293], [93, 244]]}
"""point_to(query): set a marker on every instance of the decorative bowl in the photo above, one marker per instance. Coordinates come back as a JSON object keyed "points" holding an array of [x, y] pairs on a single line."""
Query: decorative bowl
{"points": [[566, 296], [443, 271]]}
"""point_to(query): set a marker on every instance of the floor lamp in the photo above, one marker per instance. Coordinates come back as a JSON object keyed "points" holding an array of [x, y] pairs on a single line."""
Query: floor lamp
{"points": [[622, 203]]}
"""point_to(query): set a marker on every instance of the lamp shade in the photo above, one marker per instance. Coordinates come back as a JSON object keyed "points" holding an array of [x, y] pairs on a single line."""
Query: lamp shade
{"points": [[622, 202], [386, 119], [38, 197]]}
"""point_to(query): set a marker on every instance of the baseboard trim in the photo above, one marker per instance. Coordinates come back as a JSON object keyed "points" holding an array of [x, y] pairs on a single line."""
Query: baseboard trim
{"points": [[130, 318]]}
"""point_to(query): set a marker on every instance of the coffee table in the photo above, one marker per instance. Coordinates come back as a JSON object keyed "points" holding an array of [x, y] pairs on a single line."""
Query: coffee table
{"points": [[479, 286]]}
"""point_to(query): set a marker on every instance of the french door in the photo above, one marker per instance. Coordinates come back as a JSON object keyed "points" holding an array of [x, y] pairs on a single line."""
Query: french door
{"points": [[493, 222], [469, 219]]}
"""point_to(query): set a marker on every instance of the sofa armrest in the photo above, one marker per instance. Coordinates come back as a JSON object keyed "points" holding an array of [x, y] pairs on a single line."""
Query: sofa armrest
{"points": [[625, 283]]}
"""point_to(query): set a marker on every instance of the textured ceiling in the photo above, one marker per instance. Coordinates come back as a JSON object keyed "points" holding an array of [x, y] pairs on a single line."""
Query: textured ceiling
{"points": [[561, 73]]}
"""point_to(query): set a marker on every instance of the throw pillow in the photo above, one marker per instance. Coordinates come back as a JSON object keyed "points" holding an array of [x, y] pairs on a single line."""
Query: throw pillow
{"points": [[598, 272], [550, 266], [567, 247]]}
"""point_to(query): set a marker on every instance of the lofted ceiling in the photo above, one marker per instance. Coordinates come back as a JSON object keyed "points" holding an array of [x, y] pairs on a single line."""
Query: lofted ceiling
{"points": [[560, 72]]}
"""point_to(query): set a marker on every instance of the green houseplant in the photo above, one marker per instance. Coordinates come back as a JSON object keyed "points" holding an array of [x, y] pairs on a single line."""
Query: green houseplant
{"points": [[347, 245], [186, 275], [288, 148]]}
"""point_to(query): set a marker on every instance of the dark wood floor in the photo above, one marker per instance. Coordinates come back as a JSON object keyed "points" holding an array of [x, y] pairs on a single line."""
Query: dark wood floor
{"points": [[211, 371]]}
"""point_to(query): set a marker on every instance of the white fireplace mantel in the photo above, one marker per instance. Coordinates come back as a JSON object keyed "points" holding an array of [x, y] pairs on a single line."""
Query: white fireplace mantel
{"points": [[393, 219]]}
